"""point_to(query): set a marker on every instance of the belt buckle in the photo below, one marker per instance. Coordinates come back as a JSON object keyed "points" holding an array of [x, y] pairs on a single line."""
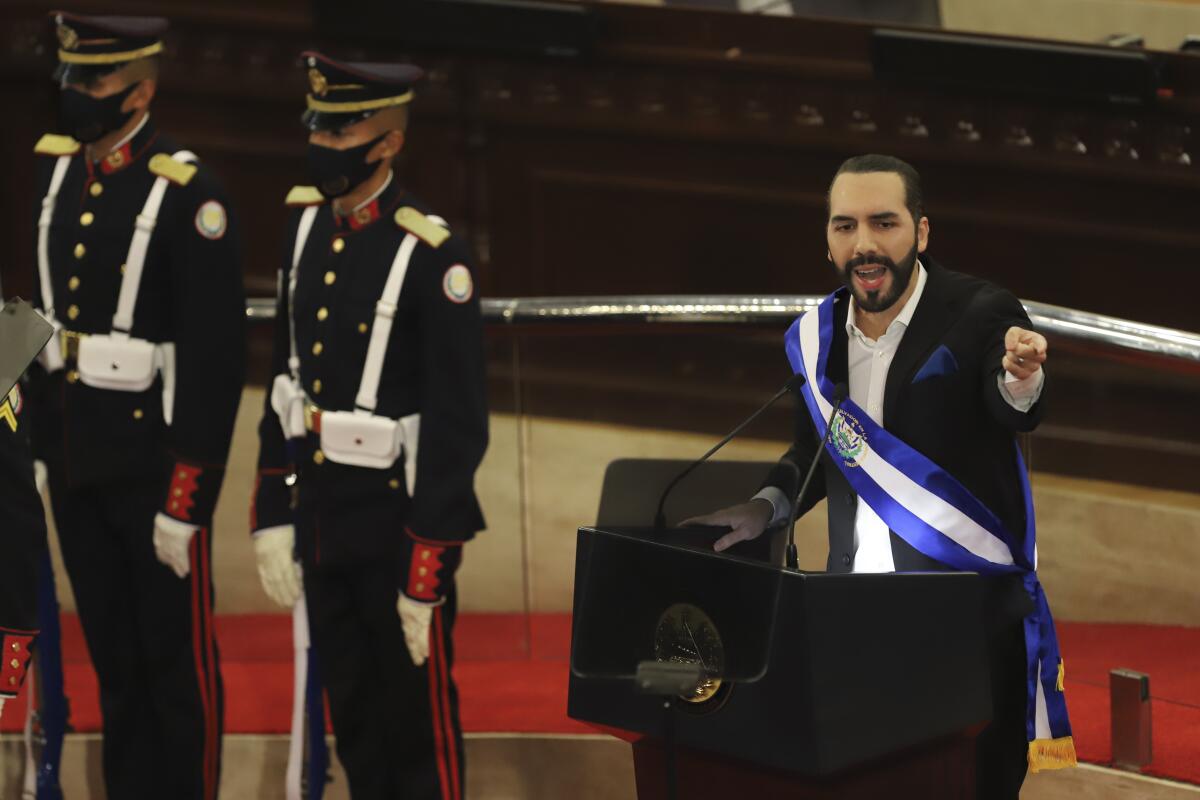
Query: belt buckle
{"points": [[312, 418], [70, 345]]}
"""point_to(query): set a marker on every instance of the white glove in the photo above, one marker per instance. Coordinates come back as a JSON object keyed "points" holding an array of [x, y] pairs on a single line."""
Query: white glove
{"points": [[277, 567], [40, 477], [171, 541], [415, 617]]}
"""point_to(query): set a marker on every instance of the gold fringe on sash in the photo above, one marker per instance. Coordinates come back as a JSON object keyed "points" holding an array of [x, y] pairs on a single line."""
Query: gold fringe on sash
{"points": [[1048, 754]]}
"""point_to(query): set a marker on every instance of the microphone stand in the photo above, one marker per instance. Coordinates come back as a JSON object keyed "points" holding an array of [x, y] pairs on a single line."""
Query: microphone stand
{"points": [[792, 561], [660, 522]]}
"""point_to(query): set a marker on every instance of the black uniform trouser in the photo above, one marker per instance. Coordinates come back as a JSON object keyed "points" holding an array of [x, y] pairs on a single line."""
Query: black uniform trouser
{"points": [[397, 728], [151, 641], [1001, 749]]}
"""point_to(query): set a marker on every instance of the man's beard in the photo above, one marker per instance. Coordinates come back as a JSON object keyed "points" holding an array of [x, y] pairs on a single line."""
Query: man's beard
{"points": [[878, 300]]}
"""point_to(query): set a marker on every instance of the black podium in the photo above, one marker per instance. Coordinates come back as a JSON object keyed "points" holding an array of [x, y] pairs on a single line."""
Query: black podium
{"points": [[815, 684]]}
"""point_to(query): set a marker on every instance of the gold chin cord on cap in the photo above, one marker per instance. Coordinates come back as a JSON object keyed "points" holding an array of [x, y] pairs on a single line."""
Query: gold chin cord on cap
{"points": [[68, 57], [363, 105]]}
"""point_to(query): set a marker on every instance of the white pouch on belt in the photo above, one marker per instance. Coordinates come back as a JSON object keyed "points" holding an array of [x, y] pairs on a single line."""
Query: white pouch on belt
{"points": [[361, 440], [118, 363], [287, 401]]}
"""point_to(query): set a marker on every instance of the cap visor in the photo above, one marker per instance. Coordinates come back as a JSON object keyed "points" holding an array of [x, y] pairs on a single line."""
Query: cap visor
{"points": [[326, 121], [82, 74]]}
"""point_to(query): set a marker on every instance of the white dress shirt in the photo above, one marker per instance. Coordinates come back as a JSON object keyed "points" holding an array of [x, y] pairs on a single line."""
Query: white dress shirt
{"points": [[869, 362]]}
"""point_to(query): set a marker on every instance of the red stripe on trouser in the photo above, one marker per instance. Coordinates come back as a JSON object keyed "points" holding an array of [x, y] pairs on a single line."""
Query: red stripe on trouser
{"points": [[197, 653], [435, 715], [210, 744], [439, 643]]}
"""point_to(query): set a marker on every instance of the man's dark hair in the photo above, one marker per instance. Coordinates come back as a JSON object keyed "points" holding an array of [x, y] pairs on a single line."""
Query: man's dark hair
{"points": [[873, 162]]}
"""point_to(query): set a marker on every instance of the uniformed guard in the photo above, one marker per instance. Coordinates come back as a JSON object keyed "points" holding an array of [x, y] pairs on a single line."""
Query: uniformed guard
{"points": [[378, 408], [138, 270]]}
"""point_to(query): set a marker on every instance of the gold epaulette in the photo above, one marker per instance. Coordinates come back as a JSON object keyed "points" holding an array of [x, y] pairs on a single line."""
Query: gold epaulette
{"points": [[421, 226], [177, 172], [52, 144], [304, 196]]}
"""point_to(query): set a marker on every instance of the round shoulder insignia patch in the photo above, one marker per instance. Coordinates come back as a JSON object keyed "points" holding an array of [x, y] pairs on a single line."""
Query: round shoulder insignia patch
{"points": [[211, 221], [457, 284]]}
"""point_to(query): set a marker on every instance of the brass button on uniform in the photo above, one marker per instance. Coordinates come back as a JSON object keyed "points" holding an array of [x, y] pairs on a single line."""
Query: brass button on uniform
{"points": [[16, 647], [393, 483], [424, 555], [12, 681], [318, 457], [87, 218], [15, 664], [362, 327], [72, 376], [422, 571], [339, 245], [138, 414], [317, 348], [96, 189], [73, 284], [72, 312], [420, 587], [80, 250], [316, 387], [122, 269], [322, 314], [330, 277]]}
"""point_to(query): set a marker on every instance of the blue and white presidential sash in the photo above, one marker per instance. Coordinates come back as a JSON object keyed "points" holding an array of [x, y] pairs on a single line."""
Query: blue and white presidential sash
{"points": [[938, 516]]}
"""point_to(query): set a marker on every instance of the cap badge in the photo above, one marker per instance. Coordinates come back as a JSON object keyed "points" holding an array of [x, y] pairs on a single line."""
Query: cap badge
{"points": [[67, 37], [318, 82]]}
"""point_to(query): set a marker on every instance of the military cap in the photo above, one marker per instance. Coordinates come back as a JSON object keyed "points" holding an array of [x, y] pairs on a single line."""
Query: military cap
{"points": [[343, 93], [93, 46]]}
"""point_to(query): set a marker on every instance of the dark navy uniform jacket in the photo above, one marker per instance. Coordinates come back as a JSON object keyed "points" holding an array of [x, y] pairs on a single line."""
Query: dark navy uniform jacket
{"points": [[434, 366], [191, 294]]}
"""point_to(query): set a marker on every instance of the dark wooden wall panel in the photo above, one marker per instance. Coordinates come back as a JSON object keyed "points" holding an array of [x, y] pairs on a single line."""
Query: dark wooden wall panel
{"points": [[690, 152]]}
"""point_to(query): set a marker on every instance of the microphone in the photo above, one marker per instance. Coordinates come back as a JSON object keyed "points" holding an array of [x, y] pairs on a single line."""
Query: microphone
{"points": [[840, 392], [793, 385]]}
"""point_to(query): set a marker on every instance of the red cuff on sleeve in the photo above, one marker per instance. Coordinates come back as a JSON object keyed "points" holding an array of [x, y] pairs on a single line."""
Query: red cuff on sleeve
{"points": [[185, 480], [16, 653], [423, 581]]}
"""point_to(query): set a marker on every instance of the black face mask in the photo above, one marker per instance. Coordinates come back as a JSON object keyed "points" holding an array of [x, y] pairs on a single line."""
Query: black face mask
{"points": [[86, 118], [336, 172]]}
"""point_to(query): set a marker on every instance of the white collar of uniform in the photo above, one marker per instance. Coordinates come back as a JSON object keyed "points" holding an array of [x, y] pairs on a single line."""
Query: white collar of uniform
{"points": [[906, 314], [129, 137], [386, 183]]}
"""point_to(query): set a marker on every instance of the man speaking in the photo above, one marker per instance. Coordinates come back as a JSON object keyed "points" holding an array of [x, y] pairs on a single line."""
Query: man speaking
{"points": [[922, 471]]}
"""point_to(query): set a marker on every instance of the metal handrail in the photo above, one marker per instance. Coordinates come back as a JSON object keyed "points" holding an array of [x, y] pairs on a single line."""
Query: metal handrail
{"points": [[723, 309]]}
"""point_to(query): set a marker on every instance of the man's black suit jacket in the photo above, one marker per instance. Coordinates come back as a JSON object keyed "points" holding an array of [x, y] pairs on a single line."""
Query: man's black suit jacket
{"points": [[959, 419]]}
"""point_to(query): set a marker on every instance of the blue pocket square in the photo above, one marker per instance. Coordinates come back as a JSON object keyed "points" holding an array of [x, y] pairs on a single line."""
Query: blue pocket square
{"points": [[940, 363]]}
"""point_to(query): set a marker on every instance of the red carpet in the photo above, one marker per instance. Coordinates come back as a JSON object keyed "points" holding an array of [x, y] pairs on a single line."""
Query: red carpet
{"points": [[512, 675]]}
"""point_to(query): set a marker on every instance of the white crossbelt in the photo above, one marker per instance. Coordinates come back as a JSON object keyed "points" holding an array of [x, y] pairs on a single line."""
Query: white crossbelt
{"points": [[43, 250], [139, 246], [306, 222], [51, 355], [381, 328]]}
